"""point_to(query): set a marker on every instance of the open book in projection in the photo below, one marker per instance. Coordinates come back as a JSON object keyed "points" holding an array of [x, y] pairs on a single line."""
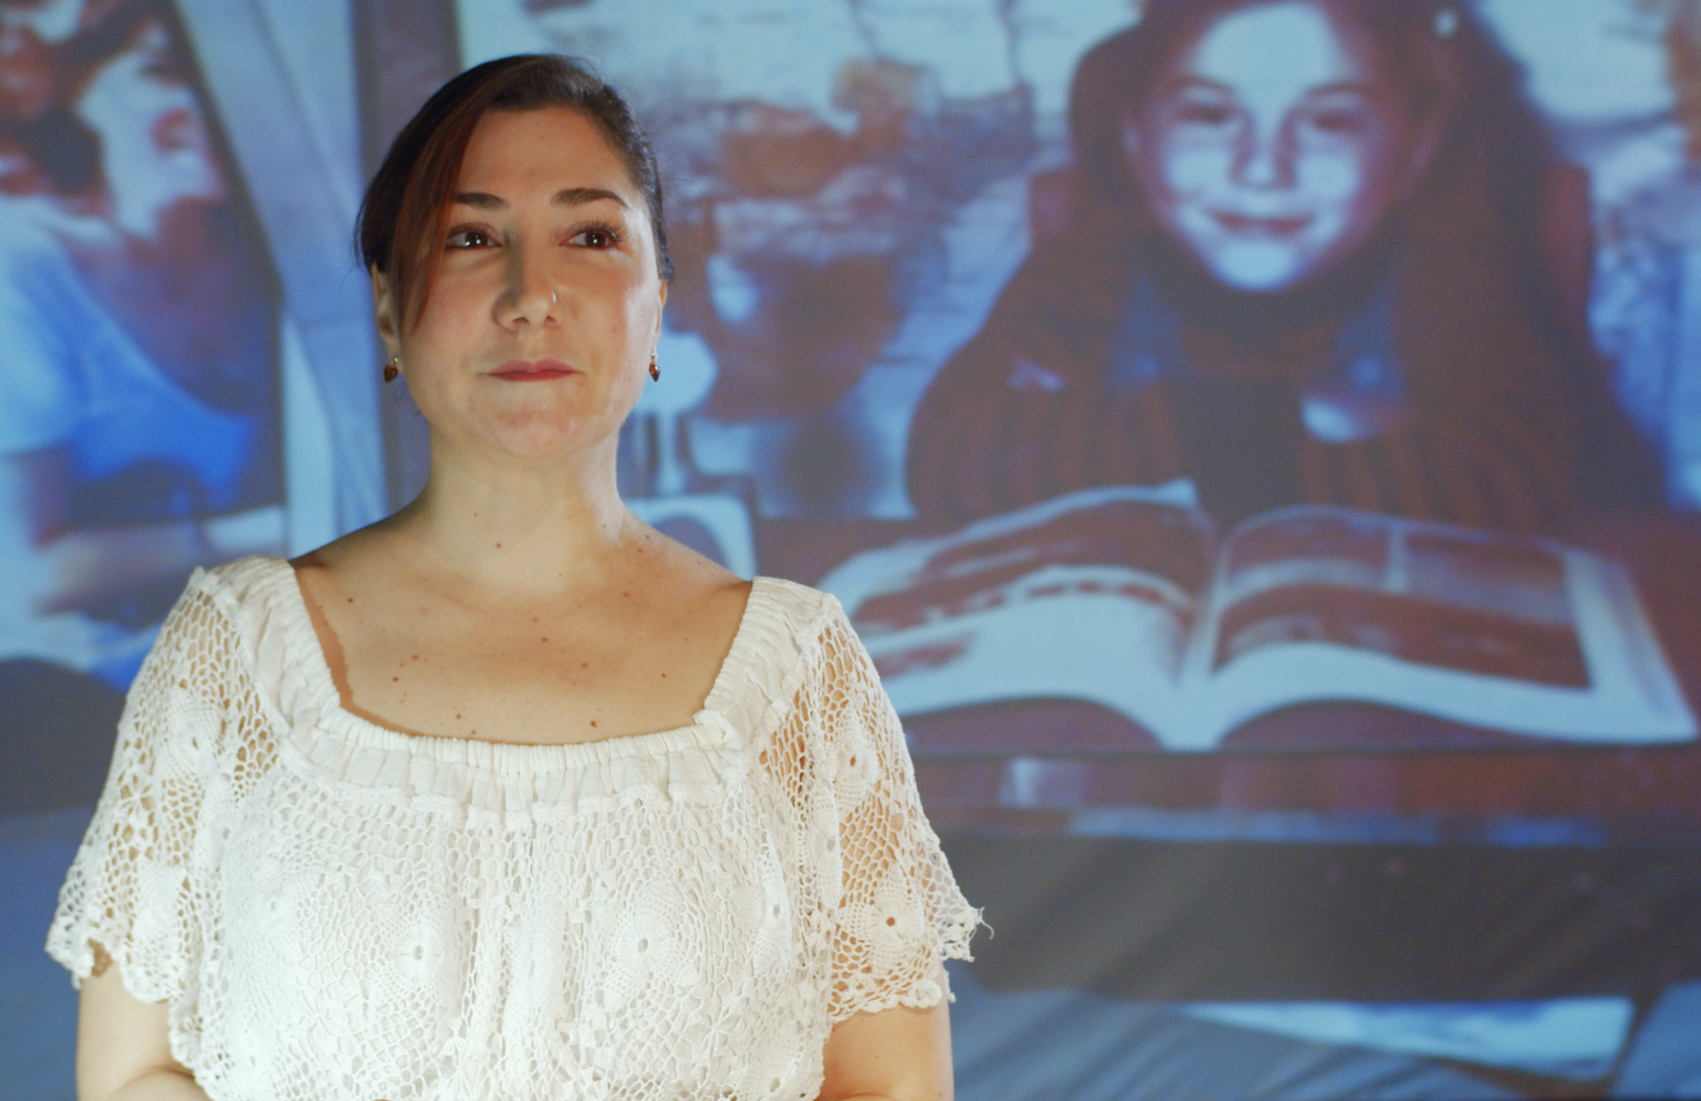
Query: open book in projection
{"points": [[1126, 598]]}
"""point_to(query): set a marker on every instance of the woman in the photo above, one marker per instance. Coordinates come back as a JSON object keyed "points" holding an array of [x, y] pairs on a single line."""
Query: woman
{"points": [[1310, 255], [507, 795]]}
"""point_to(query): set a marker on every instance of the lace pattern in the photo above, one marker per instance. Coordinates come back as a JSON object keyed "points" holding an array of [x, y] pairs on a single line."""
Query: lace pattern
{"points": [[337, 910]]}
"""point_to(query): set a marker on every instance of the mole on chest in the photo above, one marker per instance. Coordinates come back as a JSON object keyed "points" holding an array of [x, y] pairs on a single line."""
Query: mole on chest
{"points": [[539, 689]]}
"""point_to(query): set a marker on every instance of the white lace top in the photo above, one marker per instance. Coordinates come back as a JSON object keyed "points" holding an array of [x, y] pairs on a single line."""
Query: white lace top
{"points": [[338, 910]]}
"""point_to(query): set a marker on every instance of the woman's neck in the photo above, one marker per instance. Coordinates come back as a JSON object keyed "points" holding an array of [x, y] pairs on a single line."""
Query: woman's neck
{"points": [[523, 529]]}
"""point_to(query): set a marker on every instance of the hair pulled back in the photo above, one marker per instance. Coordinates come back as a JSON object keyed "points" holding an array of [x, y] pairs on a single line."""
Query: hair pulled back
{"points": [[406, 206]]}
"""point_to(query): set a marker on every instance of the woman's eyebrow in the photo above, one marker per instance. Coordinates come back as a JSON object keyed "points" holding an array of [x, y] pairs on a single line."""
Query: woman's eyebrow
{"points": [[578, 196], [483, 200], [1187, 82], [567, 196], [1344, 87]]}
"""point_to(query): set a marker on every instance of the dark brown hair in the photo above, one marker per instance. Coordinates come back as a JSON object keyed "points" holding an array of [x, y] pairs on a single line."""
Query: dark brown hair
{"points": [[1477, 289], [407, 204], [1482, 269], [1436, 51]]}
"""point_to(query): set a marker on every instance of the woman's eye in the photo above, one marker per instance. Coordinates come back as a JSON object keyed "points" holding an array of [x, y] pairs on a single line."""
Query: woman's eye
{"points": [[469, 239], [1336, 122], [1199, 112], [596, 237], [1338, 115]]}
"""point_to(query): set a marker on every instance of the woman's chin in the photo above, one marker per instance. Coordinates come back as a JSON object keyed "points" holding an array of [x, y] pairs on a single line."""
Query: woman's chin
{"points": [[541, 439], [1258, 268]]}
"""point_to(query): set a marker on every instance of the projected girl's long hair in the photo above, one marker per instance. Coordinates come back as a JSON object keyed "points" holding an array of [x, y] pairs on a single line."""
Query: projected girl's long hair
{"points": [[1484, 257]]}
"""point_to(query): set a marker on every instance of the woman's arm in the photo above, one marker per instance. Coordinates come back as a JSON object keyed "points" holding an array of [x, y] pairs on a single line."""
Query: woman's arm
{"points": [[123, 1053], [898, 1054], [900, 914]]}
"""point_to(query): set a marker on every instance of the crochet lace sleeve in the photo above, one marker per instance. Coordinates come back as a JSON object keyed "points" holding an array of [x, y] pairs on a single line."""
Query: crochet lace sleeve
{"points": [[900, 913], [131, 895]]}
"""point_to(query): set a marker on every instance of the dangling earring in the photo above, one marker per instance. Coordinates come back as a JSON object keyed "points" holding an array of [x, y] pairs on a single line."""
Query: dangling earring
{"points": [[655, 372], [392, 369]]}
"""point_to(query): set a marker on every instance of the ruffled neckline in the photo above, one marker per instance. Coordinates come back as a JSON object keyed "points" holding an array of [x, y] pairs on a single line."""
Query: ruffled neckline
{"points": [[320, 737]]}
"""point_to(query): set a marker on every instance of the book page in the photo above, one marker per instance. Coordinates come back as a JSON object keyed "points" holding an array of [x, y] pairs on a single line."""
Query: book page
{"points": [[1317, 605], [1450, 599], [1163, 548], [1090, 596]]}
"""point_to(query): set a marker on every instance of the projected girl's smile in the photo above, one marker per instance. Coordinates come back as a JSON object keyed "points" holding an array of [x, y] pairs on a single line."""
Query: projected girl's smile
{"points": [[1273, 147]]}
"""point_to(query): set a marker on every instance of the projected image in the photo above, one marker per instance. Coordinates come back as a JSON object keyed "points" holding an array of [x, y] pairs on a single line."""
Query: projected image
{"points": [[1305, 272], [1057, 299], [1188, 639], [1302, 274], [139, 434], [1439, 598], [1258, 442]]}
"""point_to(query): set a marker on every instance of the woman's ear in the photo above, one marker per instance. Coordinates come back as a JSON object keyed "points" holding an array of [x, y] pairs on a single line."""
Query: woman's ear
{"points": [[384, 312], [661, 307]]}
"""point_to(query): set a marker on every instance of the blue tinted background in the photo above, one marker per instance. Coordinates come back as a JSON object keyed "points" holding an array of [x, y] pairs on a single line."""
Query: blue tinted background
{"points": [[1308, 918]]}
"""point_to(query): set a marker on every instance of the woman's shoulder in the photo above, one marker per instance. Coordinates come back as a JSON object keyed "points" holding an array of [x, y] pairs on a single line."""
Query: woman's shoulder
{"points": [[229, 609], [228, 643], [813, 621], [794, 599], [241, 580], [779, 645]]}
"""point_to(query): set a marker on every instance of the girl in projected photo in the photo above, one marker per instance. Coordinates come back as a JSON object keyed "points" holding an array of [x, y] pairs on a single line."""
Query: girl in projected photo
{"points": [[137, 430], [1310, 250]]}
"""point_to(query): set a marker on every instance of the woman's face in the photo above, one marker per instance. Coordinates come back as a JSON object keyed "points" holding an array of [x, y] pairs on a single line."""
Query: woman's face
{"points": [[536, 335], [1273, 146], [155, 149]]}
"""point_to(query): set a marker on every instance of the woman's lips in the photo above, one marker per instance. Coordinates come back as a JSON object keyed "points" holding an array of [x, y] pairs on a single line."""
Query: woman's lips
{"points": [[518, 370], [1250, 226]]}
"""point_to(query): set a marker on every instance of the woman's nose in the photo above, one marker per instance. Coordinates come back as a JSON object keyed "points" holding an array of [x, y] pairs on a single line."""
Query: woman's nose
{"points": [[529, 297], [1265, 160]]}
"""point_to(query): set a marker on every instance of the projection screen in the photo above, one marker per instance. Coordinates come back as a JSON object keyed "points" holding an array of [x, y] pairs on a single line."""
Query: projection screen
{"points": [[1258, 442]]}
